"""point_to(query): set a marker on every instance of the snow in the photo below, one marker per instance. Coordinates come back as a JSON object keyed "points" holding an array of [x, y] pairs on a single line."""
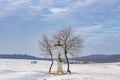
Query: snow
{"points": [[15, 69]]}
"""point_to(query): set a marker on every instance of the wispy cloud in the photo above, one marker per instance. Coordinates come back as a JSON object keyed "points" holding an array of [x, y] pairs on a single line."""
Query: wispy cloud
{"points": [[11, 6], [57, 10], [82, 3], [96, 20], [42, 7], [99, 33]]}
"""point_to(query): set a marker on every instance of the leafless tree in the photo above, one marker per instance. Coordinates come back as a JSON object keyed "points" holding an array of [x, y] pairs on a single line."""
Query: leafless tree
{"points": [[46, 46], [72, 43]]}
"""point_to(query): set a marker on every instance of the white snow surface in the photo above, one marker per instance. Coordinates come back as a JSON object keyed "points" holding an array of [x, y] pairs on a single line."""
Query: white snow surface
{"points": [[15, 69]]}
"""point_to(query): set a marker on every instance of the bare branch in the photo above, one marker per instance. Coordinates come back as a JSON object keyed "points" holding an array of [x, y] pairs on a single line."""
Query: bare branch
{"points": [[45, 46], [72, 43]]}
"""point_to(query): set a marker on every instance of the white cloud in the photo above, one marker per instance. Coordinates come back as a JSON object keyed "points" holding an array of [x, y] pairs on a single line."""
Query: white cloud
{"points": [[57, 10], [41, 6], [46, 3], [36, 8], [99, 33], [29, 6], [76, 6], [83, 3], [67, 12], [90, 28], [11, 6]]}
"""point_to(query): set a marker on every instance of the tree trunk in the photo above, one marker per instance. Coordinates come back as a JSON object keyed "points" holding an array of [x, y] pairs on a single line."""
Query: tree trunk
{"points": [[68, 65], [51, 63]]}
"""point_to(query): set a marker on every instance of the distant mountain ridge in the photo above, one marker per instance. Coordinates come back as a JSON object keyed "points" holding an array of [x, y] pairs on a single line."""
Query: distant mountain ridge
{"points": [[97, 58], [100, 58], [20, 56]]}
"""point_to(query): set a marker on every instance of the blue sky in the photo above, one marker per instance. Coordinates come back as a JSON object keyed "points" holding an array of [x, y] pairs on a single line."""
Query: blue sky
{"points": [[22, 22]]}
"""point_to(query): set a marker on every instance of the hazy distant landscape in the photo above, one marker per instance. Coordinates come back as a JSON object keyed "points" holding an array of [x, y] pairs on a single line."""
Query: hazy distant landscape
{"points": [[97, 58]]}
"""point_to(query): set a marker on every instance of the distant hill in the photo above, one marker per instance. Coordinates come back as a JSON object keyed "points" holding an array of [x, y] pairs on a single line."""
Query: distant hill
{"points": [[97, 58], [20, 56], [100, 58]]}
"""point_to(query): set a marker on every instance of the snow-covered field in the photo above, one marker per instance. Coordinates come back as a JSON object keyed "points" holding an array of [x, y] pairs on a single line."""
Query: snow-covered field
{"points": [[16, 69]]}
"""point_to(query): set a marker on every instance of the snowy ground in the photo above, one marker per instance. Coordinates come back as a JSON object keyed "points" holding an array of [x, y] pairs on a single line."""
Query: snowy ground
{"points": [[24, 70]]}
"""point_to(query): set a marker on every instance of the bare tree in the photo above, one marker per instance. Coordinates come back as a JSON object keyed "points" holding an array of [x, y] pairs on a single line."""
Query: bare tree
{"points": [[45, 46], [72, 43]]}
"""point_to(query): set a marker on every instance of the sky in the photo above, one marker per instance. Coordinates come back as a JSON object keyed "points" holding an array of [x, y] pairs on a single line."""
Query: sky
{"points": [[22, 22]]}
